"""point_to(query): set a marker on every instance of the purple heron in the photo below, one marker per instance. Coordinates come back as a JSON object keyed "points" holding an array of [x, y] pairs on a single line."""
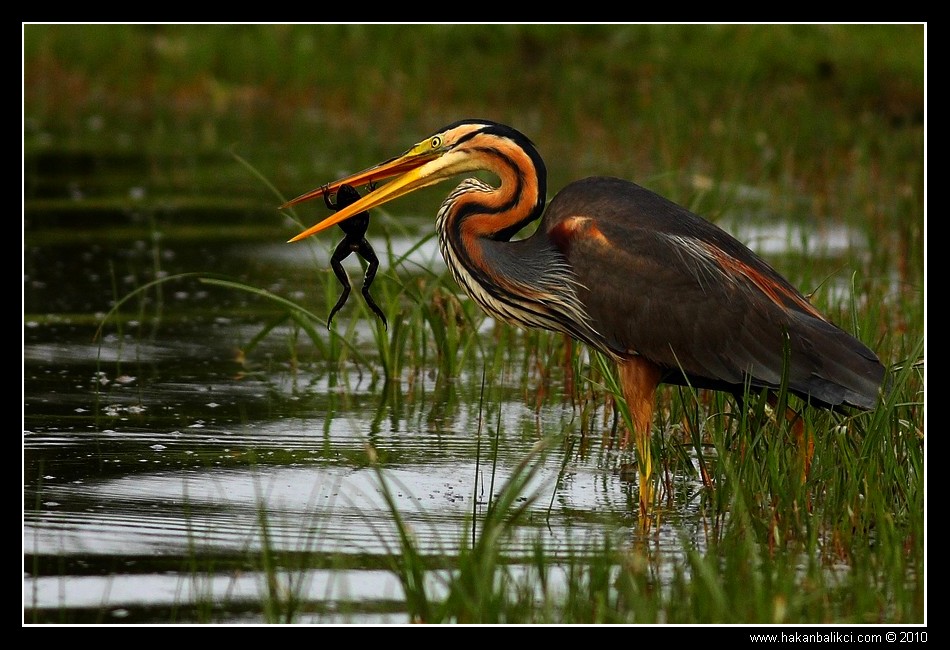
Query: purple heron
{"points": [[669, 296]]}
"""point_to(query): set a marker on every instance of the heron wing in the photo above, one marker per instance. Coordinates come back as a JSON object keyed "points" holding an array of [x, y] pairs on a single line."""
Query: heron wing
{"points": [[663, 283]]}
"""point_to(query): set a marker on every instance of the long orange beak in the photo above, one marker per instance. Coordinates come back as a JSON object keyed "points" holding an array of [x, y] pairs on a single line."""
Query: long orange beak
{"points": [[410, 168]]}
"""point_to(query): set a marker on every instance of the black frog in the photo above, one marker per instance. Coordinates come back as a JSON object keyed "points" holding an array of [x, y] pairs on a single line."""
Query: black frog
{"points": [[354, 241]]}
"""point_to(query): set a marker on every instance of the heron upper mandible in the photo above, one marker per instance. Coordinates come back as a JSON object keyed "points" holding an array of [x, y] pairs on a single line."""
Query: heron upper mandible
{"points": [[669, 296]]}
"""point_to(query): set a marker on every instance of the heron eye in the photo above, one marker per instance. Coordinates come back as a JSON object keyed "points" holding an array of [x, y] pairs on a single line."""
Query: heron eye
{"points": [[436, 142]]}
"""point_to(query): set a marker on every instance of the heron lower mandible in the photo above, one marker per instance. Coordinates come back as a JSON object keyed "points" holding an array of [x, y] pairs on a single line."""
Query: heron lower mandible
{"points": [[669, 296]]}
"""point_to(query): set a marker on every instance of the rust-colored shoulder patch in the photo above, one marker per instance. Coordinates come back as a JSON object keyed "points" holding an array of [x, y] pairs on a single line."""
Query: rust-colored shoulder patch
{"points": [[567, 231]]}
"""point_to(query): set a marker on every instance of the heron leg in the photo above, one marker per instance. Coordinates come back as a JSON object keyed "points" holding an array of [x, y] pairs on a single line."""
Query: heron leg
{"points": [[639, 378], [367, 253], [803, 434], [804, 439], [340, 254]]}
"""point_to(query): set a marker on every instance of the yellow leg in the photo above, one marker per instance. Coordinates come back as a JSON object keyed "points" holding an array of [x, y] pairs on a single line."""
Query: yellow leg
{"points": [[804, 439], [639, 379]]}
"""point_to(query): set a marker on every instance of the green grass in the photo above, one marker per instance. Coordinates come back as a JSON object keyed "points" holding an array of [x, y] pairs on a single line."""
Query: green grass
{"points": [[825, 122]]}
